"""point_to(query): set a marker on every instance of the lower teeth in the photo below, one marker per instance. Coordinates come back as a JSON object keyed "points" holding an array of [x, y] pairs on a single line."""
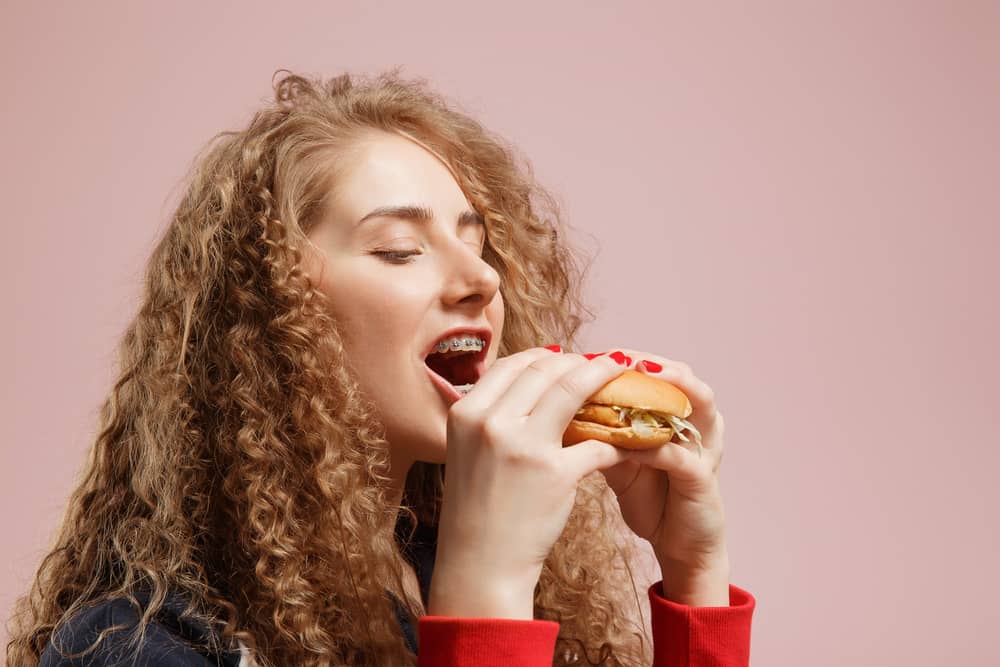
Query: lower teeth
{"points": [[463, 388]]}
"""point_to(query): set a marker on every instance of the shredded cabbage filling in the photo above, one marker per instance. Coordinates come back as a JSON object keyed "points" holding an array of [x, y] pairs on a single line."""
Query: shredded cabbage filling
{"points": [[644, 421]]}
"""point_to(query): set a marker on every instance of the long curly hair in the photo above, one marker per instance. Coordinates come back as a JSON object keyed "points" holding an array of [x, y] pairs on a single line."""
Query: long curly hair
{"points": [[237, 461]]}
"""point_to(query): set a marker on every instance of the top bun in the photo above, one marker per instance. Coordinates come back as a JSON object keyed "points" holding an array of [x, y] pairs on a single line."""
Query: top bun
{"points": [[633, 389]]}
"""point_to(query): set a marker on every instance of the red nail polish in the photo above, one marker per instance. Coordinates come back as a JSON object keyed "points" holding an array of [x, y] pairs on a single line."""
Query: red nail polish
{"points": [[592, 355], [651, 366], [628, 360], [554, 348], [619, 357]]}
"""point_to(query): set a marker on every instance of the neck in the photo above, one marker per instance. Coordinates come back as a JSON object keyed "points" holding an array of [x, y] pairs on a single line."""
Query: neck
{"points": [[399, 468]]}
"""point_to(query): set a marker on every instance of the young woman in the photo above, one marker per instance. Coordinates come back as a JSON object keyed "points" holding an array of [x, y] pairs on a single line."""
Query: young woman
{"points": [[268, 485]]}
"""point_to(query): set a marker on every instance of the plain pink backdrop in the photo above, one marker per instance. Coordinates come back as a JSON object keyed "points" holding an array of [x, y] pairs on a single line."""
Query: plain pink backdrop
{"points": [[799, 199]]}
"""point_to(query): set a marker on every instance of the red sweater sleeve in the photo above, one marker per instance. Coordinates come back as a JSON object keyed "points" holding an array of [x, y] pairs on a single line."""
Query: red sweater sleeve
{"points": [[447, 641], [686, 636], [682, 637]]}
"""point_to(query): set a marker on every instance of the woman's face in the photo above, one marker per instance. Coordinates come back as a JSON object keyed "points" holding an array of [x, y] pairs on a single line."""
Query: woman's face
{"points": [[391, 309]]}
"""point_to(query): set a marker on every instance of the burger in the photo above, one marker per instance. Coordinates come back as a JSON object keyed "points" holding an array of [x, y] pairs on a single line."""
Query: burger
{"points": [[634, 411]]}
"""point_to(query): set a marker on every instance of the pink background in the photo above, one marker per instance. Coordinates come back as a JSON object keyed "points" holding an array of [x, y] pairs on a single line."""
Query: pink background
{"points": [[799, 199]]}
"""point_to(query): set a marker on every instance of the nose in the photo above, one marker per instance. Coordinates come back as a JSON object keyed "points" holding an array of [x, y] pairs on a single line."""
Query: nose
{"points": [[469, 278]]}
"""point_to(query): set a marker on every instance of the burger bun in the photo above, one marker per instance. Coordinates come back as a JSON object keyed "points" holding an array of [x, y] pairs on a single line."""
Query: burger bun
{"points": [[632, 389]]}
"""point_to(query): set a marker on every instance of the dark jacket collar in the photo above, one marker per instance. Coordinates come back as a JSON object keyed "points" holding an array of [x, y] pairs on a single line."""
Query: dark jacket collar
{"points": [[419, 551]]}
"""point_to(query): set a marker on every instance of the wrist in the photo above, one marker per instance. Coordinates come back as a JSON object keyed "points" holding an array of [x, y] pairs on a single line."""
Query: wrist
{"points": [[480, 596], [703, 585]]}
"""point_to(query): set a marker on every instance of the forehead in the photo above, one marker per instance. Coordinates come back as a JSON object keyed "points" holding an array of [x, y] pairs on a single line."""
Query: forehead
{"points": [[385, 169]]}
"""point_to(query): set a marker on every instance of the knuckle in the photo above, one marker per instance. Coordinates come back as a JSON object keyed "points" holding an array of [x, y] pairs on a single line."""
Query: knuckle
{"points": [[504, 362], [713, 421], [517, 457], [459, 413], [538, 365], [570, 385], [493, 428], [550, 467], [718, 464], [528, 457], [522, 358], [459, 424]]}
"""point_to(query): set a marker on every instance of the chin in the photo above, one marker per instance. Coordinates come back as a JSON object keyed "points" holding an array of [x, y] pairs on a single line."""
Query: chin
{"points": [[418, 445]]}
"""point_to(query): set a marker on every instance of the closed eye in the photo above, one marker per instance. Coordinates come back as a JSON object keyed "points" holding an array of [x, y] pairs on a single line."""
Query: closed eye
{"points": [[396, 256], [403, 256]]}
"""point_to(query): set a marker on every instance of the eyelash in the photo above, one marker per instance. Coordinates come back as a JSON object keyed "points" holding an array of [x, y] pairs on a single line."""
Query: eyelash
{"points": [[396, 256]]}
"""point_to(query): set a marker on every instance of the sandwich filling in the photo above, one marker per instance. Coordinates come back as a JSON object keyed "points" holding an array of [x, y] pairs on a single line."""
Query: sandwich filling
{"points": [[643, 422]]}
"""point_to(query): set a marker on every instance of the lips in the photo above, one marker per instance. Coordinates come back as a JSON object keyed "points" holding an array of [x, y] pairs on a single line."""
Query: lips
{"points": [[445, 388]]}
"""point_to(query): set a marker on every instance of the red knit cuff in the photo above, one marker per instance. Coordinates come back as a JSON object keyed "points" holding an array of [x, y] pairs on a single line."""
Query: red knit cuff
{"points": [[710, 636], [485, 642]]}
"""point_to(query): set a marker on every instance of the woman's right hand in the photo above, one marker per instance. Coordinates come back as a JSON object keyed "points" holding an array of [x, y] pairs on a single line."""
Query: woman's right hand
{"points": [[509, 483]]}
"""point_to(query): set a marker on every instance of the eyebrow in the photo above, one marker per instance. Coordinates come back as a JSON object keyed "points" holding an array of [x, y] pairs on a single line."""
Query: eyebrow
{"points": [[419, 214]]}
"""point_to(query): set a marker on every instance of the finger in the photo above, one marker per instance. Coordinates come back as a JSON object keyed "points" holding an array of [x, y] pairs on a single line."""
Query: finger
{"points": [[523, 394], [620, 477], [704, 412], [617, 354], [679, 462], [634, 357], [499, 376], [588, 456], [556, 407]]}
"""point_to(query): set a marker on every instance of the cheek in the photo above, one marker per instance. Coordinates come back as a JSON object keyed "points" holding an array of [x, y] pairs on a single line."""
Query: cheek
{"points": [[379, 322], [376, 313], [495, 314], [371, 301]]}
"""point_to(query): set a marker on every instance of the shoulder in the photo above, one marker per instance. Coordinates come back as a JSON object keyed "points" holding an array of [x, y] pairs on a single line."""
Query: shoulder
{"points": [[169, 639]]}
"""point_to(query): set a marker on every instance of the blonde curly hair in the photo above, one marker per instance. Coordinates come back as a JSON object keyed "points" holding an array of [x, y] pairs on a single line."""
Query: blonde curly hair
{"points": [[237, 461]]}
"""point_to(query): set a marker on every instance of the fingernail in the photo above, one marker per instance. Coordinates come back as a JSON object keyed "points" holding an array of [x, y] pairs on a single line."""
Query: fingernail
{"points": [[619, 357], [591, 355], [651, 366], [554, 348]]}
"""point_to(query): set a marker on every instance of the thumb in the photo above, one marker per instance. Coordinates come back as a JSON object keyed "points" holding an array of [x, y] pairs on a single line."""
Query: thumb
{"points": [[587, 456]]}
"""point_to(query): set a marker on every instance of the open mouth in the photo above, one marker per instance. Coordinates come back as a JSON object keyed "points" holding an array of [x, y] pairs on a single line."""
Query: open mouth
{"points": [[461, 369]]}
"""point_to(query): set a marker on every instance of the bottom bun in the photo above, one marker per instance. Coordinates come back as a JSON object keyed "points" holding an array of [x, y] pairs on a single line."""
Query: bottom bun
{"points": [[621, 436]]}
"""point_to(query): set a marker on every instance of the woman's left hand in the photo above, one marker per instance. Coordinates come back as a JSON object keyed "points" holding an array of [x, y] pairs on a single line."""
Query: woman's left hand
{"points": [[669, 495]]}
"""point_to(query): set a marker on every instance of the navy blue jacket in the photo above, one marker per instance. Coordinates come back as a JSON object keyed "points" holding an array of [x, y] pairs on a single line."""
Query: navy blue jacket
{"points": [[169, 638]]}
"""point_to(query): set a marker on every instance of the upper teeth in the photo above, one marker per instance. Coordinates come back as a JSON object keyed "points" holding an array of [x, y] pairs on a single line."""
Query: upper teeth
{"points": [[456, 343]]}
